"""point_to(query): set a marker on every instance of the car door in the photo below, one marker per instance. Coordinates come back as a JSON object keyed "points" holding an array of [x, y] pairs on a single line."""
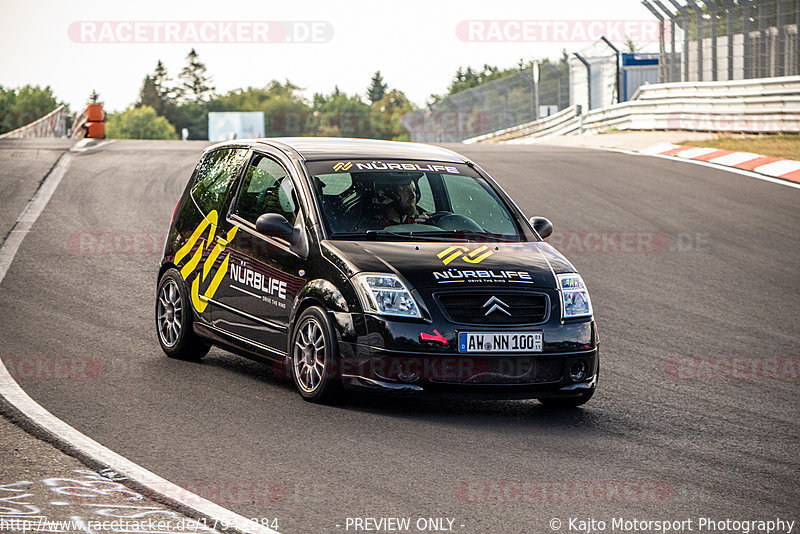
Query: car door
{"points": [[264, 274], [200, 256]]}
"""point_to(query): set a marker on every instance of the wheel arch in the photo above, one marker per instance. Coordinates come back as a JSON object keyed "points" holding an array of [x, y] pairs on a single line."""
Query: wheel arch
{"points": [[167, 265], [325, 295]]}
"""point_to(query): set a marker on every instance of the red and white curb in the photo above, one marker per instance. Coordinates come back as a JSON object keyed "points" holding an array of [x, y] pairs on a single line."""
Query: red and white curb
{"points": [[785, 169]]}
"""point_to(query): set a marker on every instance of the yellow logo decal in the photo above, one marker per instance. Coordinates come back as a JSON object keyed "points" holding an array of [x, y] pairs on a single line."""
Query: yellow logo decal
{"points": [[200, 301], [476, 256], [342, 166]]}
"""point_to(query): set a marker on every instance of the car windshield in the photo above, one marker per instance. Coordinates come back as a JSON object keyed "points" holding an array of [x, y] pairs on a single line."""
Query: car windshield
{"points": [[364, 200]]}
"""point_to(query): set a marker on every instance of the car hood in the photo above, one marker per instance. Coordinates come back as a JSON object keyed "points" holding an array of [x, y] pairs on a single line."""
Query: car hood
{"points": [[436, 264]]}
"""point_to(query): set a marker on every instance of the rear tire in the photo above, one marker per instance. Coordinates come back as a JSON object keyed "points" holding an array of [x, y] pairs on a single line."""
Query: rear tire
{"points": [[175, 319], [314, 358]]}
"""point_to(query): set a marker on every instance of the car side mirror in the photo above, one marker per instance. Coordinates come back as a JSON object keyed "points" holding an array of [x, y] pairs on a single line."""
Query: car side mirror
{"points": [[542, 226], [275, 225]]}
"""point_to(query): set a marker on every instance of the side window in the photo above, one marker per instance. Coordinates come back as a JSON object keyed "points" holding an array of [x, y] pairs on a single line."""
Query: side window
{"points": [[217, 172], [426, 201], [267, 188]]}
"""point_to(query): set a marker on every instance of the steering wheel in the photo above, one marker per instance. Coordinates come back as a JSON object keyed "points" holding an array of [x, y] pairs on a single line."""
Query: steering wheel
{"points": [[454, 222]]}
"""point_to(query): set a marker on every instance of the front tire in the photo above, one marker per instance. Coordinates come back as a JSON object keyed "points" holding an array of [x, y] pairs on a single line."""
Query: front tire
{"points": [[314, 358], [175, 319]]}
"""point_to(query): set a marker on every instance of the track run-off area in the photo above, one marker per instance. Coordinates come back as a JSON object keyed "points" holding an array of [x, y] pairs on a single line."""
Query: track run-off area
{"points": [[694, 274]]}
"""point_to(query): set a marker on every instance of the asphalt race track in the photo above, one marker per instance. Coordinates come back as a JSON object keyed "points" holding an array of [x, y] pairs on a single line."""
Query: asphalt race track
{"points": [[691, 270]]}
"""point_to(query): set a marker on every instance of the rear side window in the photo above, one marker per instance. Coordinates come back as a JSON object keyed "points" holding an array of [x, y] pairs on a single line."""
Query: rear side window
{"points": [[217, 172]]}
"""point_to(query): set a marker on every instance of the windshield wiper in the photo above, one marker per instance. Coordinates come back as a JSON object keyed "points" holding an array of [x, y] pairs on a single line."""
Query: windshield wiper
{"points": [[374, 235], [473, 236], [470, 236]]}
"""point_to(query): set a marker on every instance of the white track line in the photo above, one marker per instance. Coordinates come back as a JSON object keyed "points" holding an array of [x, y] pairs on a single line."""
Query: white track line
{"points": [[85, 448], [31, 213], [78, 444]]}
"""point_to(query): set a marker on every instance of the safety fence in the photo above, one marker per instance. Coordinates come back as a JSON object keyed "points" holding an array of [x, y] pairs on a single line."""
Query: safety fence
{"points": [[708, 40], [502, 103], [769, 105], [54, 124]]}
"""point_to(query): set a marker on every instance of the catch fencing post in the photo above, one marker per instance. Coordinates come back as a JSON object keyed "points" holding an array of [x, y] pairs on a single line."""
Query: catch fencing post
{"points": [[588, 80]]}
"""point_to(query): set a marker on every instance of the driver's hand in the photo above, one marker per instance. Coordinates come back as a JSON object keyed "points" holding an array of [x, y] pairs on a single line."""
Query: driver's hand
{"points": [[422, 217]]}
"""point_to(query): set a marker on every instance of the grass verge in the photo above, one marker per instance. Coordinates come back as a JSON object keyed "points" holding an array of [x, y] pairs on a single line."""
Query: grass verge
{"points": [[780, 146]]}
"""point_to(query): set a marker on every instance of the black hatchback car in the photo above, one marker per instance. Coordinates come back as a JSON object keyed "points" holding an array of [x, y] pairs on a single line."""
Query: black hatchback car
{"points": [[373, 265]]}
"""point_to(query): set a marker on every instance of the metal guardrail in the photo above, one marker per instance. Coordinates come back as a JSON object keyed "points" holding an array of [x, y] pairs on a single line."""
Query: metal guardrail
{"points": [[554, 122], [769, 105], [750, 115], [54, 124], [787, 85]]}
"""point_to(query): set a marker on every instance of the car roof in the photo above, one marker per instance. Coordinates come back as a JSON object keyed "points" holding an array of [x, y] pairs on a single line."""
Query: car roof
{"points": [[323, 148]]}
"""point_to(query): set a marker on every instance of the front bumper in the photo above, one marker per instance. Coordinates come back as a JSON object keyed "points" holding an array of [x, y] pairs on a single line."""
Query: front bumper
{"points": [[501, 376]]}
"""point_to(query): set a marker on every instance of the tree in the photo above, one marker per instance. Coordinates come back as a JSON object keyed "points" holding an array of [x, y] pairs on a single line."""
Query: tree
{"points": [[148, 95], [24, 105], [161, 81], [195, 86], [139, 123], [338, 115], [33, 99], [468, 78], [387, 114], [157, 94], [7, 119], [376, 88], [286, 112], [94, 98]]}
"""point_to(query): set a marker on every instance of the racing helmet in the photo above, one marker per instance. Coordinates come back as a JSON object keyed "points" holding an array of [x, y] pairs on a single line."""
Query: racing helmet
{"points": [[386, 186]]}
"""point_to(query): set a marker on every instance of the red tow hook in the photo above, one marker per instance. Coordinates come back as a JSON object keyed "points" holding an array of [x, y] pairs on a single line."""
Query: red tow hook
{"points": [[439, 338]]}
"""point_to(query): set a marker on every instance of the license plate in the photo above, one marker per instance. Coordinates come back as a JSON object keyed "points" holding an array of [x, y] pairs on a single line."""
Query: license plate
{"points": [[500, 342]]}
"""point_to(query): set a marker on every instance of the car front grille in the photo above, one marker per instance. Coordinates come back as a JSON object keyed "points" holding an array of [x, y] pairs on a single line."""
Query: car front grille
{"points": [[494, 308], [501, 371], [461, 369]]}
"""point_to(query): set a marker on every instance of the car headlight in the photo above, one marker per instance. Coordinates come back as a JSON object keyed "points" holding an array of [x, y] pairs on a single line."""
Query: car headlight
{"points": [[574, 296], [385, 294]]}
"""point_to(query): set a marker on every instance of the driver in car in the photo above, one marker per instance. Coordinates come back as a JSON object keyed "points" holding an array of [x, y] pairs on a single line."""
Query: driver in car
{"points": [[400, 204]]}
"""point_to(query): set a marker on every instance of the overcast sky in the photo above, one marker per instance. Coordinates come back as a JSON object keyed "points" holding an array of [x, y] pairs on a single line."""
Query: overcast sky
{"points": [[78, 45]]}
